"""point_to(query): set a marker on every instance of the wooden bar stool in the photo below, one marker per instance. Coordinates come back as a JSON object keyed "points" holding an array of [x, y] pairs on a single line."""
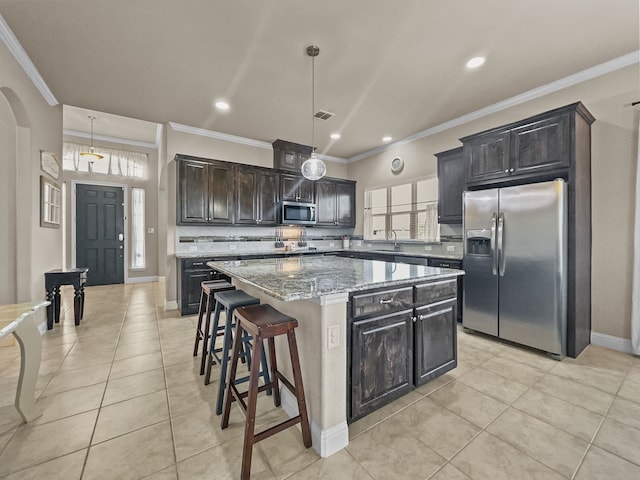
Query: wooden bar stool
{"points": [[230, 301], [265, 322], [208, 289]]}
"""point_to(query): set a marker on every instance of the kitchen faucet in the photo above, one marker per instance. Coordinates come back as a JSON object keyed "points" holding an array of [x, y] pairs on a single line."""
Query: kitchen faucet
{"points": [[396, 247]]}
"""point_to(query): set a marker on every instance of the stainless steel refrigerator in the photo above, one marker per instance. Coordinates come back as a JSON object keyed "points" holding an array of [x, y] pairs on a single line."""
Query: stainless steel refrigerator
{"points": [[515, 260]]}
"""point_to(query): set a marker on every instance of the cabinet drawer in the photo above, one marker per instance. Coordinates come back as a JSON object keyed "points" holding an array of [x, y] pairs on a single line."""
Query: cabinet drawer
{"points": [[431, 292], [382, 302], [198, 263]]}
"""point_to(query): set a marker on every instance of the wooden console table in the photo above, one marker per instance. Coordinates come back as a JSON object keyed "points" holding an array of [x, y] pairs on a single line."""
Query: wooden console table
{"points": [[18, 319], [53, 279]]}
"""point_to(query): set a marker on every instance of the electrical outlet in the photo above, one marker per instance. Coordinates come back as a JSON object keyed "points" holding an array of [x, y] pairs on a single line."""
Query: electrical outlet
{"points": [[368, 245], [193, 248], [232, 247], [427, 248], [451, 248], [151, 230], [332, 244], [333, 336], [358, 243]]}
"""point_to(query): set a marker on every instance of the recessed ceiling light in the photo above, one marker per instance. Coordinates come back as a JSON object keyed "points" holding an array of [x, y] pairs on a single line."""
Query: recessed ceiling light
{"points": [[335, 136], [222, 105], [386, 139], [475, 62]]}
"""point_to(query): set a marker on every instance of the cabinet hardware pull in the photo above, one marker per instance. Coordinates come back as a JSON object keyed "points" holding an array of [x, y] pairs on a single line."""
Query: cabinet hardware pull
{"points": [[385, 302], [197, 263], [422, 317], [414, 319], [506, 171], [512, 170]]}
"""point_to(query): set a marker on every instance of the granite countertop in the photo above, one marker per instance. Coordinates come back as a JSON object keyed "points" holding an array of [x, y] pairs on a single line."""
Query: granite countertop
{"points": [[307, 277], [232, 254]]}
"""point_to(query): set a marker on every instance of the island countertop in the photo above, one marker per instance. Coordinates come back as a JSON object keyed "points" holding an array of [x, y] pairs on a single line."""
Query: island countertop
{"points": [[301, 278]]}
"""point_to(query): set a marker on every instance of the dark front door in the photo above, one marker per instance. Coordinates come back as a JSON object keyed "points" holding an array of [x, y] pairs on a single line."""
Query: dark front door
{"points": [[100, 233]]}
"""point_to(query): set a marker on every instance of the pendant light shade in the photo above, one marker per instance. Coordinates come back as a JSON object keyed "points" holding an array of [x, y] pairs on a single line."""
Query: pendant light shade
{"points": [[91, 154], [313, 168]]}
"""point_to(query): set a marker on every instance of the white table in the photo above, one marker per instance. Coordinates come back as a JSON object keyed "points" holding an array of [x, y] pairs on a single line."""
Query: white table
{"points": [[19, 320]]}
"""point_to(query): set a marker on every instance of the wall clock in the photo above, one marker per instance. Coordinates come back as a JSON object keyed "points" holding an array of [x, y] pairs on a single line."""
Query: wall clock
{"points": [[397, 164]]}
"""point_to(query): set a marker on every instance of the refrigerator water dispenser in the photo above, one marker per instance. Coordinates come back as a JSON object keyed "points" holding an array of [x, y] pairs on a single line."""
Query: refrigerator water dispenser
{"points": [[479, 242]]}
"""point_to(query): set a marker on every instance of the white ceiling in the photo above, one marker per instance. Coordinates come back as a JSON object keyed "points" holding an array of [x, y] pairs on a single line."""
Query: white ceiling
{"points": [[385, 67]]}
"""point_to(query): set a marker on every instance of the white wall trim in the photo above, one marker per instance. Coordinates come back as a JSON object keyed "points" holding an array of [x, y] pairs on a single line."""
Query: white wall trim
{"points": [[13, 45], [609, 341], [583, 76], [106, 138], [152, 278], [203, 132], [170, 305], [325, 442]]}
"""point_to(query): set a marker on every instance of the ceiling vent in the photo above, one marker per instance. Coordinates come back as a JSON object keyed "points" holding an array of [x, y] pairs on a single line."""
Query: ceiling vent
{"points": [[323, 115]]}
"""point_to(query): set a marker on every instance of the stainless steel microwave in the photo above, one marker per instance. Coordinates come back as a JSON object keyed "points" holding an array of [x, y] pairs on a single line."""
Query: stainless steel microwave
{"points": [[295, 213]]}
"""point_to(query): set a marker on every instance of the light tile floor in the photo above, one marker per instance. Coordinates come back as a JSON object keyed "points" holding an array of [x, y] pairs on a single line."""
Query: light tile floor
{"points": [[122, 399]]}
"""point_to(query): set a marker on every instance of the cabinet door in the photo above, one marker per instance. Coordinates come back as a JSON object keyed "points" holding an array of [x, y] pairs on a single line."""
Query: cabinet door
{"points": [[267, 197], [246, 196], [221, 186], [296, 188], [541, 146], [487, 156], [451, 184], [381, 361], [435, 338], [346, 204], [193, 192], [326, 203], [190, 301]]}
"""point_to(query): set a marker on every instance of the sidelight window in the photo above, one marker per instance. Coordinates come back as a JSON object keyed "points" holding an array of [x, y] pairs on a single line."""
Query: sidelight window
{"points": [[138, 260]]}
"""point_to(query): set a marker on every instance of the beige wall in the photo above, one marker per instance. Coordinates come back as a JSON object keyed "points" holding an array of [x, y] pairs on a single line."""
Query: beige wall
{"points": [[150, 185], [35, 126], [614, 155]]}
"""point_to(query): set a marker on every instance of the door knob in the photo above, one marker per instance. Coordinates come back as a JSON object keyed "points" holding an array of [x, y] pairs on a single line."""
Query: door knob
{"points": [[121, 236]]}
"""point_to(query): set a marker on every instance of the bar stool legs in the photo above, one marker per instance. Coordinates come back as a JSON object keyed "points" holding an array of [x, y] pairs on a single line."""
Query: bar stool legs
{"points": [[264, 322]]}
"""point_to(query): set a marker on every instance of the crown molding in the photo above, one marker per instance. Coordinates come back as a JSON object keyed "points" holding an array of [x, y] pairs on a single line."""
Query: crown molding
{"points": [[13, 45], [106, 138], [582, 76], [330, 158], [219, 136]]}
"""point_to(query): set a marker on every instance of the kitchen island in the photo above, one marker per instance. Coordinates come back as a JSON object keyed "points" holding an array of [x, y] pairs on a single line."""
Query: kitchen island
{"points": [[369, 331]]}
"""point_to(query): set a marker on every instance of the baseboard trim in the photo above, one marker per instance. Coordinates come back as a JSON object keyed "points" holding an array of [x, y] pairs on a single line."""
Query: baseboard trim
{"points": [[609, 341], [153, 278], [172, 305], [325, 442]]}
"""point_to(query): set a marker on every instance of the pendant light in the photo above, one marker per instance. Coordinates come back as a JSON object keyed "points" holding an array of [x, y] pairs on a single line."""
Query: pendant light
{"points": [[91, 154], [313, 168]]}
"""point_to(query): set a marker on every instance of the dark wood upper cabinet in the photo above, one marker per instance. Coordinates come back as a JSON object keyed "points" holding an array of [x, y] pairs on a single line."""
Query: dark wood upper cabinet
{"points": [[541, 145], [296, 188], [451, 184], [487, 157], [256, 196], [289, 156], [205, 192], [335, 200], [534, 149]]}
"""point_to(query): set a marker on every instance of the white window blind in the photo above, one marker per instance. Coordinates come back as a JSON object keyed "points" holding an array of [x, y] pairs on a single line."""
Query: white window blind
{"points": [[137, 229], [115, 162]]}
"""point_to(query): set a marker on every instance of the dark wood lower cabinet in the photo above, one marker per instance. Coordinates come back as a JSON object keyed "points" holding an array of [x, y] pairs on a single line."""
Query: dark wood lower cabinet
{"points": [[192, 273], [400, 344], [382, 349]]}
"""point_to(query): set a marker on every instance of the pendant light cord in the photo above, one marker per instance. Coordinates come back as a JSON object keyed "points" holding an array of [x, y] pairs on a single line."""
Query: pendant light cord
{"points": [[313, 103]]}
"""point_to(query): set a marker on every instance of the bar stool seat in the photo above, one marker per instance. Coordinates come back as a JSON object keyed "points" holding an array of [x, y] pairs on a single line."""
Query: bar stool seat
{"points": [[208, 288], [263, 322], [230, 301]]}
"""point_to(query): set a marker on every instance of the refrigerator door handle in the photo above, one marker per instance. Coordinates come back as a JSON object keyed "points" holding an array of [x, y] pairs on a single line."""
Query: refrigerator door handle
{"points": [[494, 251], [501, 256]]}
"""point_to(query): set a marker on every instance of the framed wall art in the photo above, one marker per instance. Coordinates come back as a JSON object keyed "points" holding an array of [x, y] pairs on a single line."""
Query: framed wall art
{"points": [[49, 164]]}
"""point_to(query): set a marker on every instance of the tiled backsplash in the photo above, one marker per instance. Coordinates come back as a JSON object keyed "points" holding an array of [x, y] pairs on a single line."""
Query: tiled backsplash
{"points": [[256, 240]]}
